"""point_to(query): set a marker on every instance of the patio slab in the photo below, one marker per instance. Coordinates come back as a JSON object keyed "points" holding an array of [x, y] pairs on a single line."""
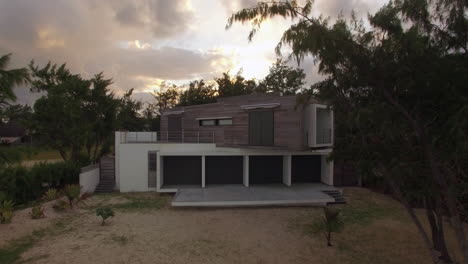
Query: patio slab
{"points": [[256, 195]]}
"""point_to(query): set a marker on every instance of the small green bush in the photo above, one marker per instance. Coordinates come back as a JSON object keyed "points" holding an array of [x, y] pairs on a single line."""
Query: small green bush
{"points": [[330, 223], [6, 211], [50, 194], [60, 206], [37, 212], [104, 212], [72, 192]]}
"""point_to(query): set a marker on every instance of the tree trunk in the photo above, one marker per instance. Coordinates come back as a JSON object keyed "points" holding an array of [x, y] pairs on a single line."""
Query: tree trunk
{"points": [[437, 228]]}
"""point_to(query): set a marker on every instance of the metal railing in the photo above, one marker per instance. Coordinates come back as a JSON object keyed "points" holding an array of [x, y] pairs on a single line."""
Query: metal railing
{"points": [[183, 136], [324, 136]]}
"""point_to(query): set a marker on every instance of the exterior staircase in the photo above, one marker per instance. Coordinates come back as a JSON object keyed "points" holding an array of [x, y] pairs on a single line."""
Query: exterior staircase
{"points": [[106, 175], [337, 195]]}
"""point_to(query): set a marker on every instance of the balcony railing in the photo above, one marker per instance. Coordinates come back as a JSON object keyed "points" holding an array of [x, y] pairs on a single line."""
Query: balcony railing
{"points": [[324, 136], [182, 136]]}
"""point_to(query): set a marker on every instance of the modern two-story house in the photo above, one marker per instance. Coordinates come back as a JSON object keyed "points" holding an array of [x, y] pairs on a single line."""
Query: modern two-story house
{"points": [[251, 140]]}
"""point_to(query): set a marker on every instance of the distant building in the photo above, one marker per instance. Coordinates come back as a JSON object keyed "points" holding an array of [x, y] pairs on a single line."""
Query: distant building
{"points": [[13, 133]]}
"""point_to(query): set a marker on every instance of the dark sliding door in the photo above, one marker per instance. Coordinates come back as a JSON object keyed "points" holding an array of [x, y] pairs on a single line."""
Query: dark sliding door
{"points": [[174, 128], [261, 128]]}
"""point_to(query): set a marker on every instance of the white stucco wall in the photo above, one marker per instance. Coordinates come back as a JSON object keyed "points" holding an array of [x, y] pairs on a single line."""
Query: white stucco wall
{"points": [[327, 170], [133, 162], [89, 179]]}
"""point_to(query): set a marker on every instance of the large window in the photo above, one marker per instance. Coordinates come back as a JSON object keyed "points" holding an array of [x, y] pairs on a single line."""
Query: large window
{"points": [[261, 128]]}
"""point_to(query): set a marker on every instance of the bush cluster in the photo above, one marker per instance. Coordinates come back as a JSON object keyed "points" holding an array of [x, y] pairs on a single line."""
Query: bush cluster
{"points": [[22, 185]]}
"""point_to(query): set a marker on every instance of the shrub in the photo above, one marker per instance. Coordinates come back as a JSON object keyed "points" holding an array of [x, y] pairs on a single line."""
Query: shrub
{"points": [[61, 206], [330, 223], [104, 212], [50, 194], [6, 211], [37, 212], [72, 192], [23, 185]]}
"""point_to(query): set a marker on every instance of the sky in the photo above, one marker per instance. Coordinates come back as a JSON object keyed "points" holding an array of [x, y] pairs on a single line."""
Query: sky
{"points": [[140, 44]]}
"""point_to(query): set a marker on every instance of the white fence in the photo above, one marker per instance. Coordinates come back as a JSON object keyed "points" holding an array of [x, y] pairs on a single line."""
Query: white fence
{"points": [[89, 178]]}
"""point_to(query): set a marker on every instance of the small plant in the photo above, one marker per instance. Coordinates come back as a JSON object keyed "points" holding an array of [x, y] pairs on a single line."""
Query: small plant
{"points": [[72, 192], [61, 206], [50, 194], [104, 212], [37, 212], [6, 211], [330, 223]]}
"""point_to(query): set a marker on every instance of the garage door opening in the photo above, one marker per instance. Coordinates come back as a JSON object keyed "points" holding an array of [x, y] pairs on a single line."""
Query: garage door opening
{"points": [[224, 170], [182, 170], [306, 169], [265, 169]]}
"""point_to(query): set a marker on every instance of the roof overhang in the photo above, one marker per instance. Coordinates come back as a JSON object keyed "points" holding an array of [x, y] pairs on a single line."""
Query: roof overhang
{"points": [[259, 106], [177, 112], [214, 117]]}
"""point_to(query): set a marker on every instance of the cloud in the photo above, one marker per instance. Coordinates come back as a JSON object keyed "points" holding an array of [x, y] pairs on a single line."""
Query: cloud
{"points": [[114, 36]]}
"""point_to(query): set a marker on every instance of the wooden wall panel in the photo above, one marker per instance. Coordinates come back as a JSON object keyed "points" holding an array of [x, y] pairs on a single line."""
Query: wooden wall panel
{"points": [[287, 121]]}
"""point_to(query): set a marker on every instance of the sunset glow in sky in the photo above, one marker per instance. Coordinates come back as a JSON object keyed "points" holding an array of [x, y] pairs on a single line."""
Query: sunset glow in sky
{"points": [[140, 44]]}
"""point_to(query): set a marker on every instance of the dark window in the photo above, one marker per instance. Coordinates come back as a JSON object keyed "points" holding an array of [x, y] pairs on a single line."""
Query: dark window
{"points": [[152, 156], [225, 122], [261, 128], [208, 122], [265, 169]]}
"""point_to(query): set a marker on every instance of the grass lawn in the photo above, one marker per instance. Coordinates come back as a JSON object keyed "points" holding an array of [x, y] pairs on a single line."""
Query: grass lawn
{"points": [[146, 229], [45, 155]]}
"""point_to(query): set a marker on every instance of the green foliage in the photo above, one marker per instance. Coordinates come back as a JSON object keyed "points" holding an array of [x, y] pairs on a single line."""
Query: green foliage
{"points": [[398, 90], [198, 93], [328, 224], [128, 116], [27, 184], [6, 211], [104, 212], [72, 192], [74, 113], [235, 85], [61, 206], [9, 79], [167, 97], [283, 79], [37, 212], [50, 194]]}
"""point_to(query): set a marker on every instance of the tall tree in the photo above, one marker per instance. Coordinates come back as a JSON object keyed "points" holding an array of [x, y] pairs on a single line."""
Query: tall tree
{"points": [[198, 93], [129, 117], [398, 88], [229, 85], [283, 78], [167, 97], [75, 114], [9, 79]]}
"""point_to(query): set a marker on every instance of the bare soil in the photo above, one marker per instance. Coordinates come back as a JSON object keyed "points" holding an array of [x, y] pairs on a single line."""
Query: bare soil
{"points": [[377, 231]]}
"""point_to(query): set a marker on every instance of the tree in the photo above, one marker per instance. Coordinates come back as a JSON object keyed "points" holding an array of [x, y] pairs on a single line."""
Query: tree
{"points": [[198, 93], [75, 114], [235, 85], [128, 117], [398, 88], [283, 78], [9, 79], [167, 97], [330, 223]]}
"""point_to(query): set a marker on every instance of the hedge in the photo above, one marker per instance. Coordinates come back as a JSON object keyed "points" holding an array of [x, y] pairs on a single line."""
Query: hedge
{"points": [[23, 185]]}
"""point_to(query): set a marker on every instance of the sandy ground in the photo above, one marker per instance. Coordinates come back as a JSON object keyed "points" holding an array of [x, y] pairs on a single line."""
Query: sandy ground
{"points": [[235, 235]]}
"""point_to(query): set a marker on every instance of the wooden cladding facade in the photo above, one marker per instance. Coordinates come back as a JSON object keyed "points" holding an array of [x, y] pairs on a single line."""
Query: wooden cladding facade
{"points": [[287, 124]]}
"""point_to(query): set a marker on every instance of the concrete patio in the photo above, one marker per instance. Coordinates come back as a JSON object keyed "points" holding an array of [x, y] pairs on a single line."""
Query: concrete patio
{"points": [[256, 195]]}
